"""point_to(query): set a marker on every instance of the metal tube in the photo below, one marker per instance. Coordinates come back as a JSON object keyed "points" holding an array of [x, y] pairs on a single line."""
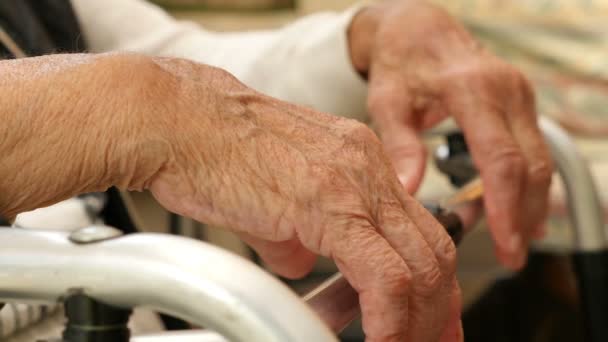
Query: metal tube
{"points": [[583, 201], [182, 277], [335, 301], [591, 249], [181, 336]]}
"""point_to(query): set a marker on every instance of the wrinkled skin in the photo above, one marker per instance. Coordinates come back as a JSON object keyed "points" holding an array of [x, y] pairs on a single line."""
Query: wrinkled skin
{"points": [[295, 183], [423, 67], [291, 181]]}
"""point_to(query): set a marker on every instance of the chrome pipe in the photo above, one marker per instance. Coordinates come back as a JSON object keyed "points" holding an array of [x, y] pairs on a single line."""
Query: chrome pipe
{"points": [[189, 279], [591, 248], [181, 336], [584, 203]]}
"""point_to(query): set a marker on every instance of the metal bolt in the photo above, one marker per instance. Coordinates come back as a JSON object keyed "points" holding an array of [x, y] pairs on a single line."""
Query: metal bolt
{"points": [[94, 234]]}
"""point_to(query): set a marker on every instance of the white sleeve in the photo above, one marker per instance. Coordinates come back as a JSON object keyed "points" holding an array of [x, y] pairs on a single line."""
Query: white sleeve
{"points": [[306, 62]]}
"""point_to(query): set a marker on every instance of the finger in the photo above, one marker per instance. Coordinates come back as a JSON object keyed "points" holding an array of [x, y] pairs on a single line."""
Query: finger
{"points": [[524, 125], [444, 251], [453, 331], [429, 294], [335, 301], [408, 154], [378, 274], [287, 258], [503, 170], [390, 107], [469, 214]]}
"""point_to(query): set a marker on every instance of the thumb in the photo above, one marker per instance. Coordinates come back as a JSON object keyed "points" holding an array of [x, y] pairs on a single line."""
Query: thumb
{"points": [[289, 259], [408, 154], [390, 108]]}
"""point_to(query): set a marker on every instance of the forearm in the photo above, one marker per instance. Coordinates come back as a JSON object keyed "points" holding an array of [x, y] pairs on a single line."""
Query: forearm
{"points": [[73, 124]]}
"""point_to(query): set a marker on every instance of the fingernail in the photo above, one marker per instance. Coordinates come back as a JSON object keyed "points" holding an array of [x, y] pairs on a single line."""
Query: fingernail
{"points": [[405, 179], [514, 243], [518, 251], [460, 336], [453, 333]]}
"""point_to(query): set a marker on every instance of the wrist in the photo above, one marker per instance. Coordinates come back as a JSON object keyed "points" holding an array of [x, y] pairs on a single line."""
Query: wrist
{"points": [[361, 37], [75, 124], [135, 145]]}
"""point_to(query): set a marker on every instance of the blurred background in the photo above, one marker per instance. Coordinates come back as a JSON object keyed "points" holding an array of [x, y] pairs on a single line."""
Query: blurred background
{"points": [[240, 15], [562, 46]]}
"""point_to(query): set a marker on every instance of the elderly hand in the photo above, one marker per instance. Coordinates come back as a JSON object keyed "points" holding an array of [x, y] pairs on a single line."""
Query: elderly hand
{"points": [[292, 181], [423, 67]]}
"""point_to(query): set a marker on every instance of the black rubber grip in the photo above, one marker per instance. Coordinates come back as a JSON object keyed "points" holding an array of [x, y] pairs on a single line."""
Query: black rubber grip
{"points": [[449, 220]]}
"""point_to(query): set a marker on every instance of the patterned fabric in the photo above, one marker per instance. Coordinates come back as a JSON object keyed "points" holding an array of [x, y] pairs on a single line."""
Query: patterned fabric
{"points": [[562, 45]]}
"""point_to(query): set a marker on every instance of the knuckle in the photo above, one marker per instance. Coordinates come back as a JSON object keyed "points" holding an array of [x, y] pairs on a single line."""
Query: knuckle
{"points": [[360, 145], [428, 281], [446, 255], [492, 75], [359, 133], [523, 87], [444, 250], [397, 280], [541, 172], [520, 88], [508, 162]]}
